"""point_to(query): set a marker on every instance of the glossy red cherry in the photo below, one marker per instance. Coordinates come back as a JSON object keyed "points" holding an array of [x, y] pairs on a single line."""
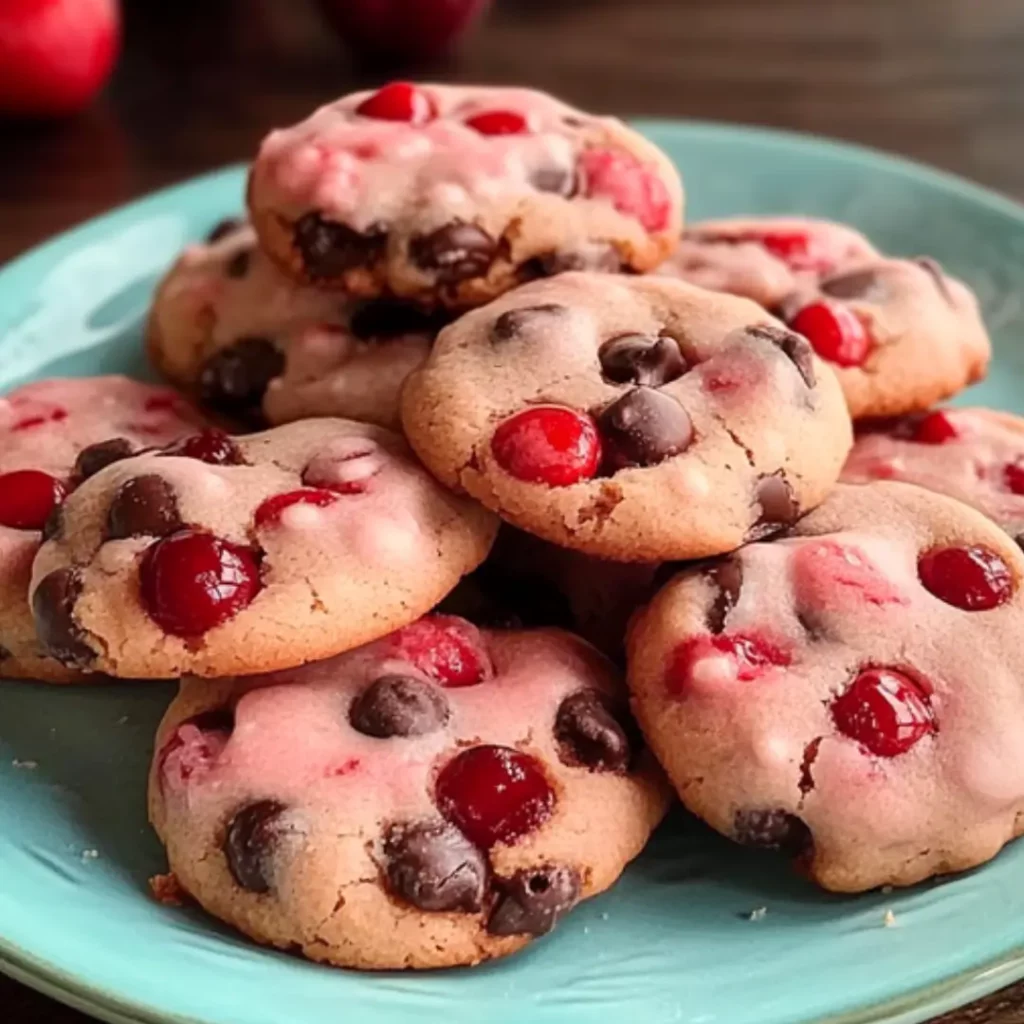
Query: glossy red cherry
{"points": [[548, 444], [191, 582], [446, 648], [494, 794], [498, 122], [835, 333], [935, 428], [1013, 476], [633, 188], [750, 655], [270, 512], [974, 578], [212, 446], [27, 497], [885, 711], [399, 101]]}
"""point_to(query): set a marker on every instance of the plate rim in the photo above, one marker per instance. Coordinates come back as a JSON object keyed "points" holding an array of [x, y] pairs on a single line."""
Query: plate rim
{"points": [[988, 976]]}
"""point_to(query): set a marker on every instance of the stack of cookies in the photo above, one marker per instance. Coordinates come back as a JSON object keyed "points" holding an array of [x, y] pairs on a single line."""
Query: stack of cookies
{"points": [[406, 737]]}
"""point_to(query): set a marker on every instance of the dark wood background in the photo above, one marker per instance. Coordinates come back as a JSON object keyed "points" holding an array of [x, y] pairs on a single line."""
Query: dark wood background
{"points": [[202, 80]]}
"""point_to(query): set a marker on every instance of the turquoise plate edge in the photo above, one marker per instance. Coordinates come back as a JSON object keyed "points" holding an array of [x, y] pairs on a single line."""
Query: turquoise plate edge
{"points": [[219, 192]]}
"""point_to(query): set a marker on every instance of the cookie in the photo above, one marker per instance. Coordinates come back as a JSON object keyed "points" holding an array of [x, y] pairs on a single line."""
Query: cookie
{"points": [[451, 195], [632, 418], [974, 455], [255, 347], [428, 800], [900, 333], [852, 695], [236, 555], [53, 435]]}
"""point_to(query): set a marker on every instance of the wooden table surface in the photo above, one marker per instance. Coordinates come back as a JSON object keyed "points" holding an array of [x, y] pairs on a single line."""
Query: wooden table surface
{"points": [[202, 80]]}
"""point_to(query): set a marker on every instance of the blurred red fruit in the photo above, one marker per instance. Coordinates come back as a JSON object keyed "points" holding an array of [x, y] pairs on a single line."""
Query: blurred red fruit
{"points": [[55, 55], [401, 29]]}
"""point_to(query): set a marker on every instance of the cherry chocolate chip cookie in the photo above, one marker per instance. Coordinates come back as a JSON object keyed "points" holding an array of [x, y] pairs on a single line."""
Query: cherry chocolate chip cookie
{"points": [[424, 801], [255, 347], [852, 695], [632, 418], [54, 434], [226, 555], [451, 195]]}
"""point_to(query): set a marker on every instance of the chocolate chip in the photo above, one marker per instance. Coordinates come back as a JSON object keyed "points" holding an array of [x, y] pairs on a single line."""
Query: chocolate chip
{"points": [[53, 607], [390, 318], [934, 269], [328, 249], [53, 528], [455, 252], [589, 735], [727, 578], [644, 427], [772, 830], [795, 346], [224, 228], [641, 359], [238, 265], [559, 180], [433, 866], [532, 901], [234, 380], [512, 322], [397, 705], [778, 506], [98, 456], [596, 257], [144, 506], [251, 843], [855, 285]]}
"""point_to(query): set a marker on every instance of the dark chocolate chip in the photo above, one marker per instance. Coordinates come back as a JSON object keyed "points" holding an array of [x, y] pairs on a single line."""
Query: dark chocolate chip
{"points": [[433, 866], [238, 265], [854, 285], [727, 577], [641, 359], [596, 257], [397, 705], [98, 456], [455, 252], [644, 427], [234, 380], [778, 506], [53, 607], [532, 901], [53, 528], [795, 346], [390, 318], [224, 228], [251, 843], [934, 269], [559, 180], [328, 249], [144, 506], [512, 323], [772, 830], [589, 735]]}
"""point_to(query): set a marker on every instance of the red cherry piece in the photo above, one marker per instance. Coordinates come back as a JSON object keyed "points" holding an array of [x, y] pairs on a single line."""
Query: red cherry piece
{"points": [[548, 445], [212, 446], [885, 711], [974, 579], [1013, 476], [634, 188], [192, 582], [270, 512], [399, 101], [498, 122], [794, 248], [27, 497], [835, 333], [749, 657], [446, 648], [494, 794], [935, 428]]}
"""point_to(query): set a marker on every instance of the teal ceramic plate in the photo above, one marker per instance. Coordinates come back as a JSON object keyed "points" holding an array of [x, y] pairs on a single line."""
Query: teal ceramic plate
{"points": [[674, 941]]}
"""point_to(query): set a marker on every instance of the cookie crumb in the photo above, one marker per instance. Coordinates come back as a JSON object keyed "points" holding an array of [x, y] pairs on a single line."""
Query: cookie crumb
{"points": [[757, 914], [26, 766], [90, 854], [604, 916], [123, 720], [886, 890], [889, 920], [167, 890]]}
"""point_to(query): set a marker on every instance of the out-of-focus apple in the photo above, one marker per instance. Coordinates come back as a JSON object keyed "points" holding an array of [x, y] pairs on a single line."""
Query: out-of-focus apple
{"points": [[399, 30], [55, 55]]}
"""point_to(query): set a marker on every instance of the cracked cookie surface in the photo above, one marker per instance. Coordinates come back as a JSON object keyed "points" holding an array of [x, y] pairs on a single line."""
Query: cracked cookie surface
{"points": [[224, 555], [424, 801], [632, 418], [851, 695]]}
